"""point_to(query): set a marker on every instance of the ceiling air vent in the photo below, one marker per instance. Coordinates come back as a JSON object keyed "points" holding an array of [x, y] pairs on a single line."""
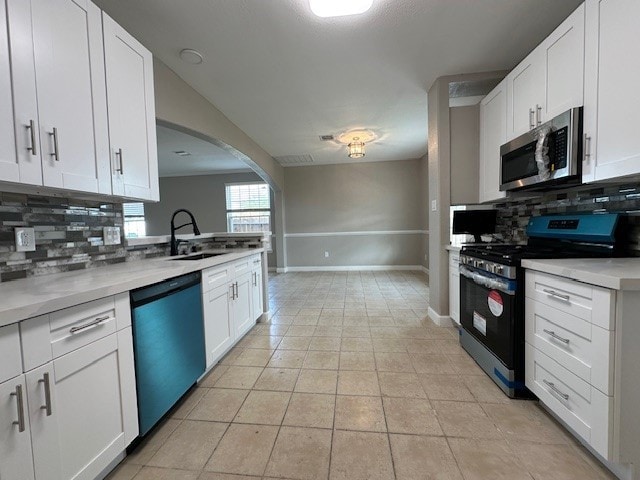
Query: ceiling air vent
{"points": [[182, 153], [288, 160], [326, 138]]}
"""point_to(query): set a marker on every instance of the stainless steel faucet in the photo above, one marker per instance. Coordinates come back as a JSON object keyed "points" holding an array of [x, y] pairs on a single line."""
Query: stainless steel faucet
{"points": [[196, 230]]}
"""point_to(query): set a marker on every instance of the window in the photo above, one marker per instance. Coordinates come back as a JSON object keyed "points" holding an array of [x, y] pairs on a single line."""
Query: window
{"points": [[134, 224], [248, 207]]}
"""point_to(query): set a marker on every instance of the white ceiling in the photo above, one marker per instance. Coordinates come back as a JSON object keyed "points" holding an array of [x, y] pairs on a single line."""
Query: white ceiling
{"points": [[285, 76], [204, 159]]}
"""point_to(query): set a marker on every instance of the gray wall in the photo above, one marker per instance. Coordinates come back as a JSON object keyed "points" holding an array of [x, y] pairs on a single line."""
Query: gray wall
{"points": [[465, 154], [424, 214], [203, 195], [357, 197]]}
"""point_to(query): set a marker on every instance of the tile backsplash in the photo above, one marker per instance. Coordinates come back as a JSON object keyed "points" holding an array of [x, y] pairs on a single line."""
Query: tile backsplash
{"points": [[513, 216], [68, 235]]}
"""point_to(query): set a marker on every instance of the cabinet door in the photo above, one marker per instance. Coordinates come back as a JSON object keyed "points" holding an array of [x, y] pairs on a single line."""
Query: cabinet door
{"points": [[43, 416], [219, 331], [493, 133], [15, 446], [243, 305], [9, 166], [525, 93], [88, 408], [25, 100], [131, 112], [563, 54], [612, 112], [69, 60], [256, 292]]}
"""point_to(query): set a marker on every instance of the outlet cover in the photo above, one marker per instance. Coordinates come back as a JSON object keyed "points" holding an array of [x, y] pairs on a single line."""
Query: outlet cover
{"points": [[434, 205], [326, 254], [111, 235], [25, 239]]}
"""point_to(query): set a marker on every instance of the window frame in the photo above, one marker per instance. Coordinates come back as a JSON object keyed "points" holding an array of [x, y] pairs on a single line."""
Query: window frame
{"points": [[269, 232]]}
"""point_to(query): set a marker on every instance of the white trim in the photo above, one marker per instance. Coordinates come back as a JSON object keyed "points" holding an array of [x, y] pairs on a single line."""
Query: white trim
{"points": [[282, 270], [425, 270], [360, 233], [272, 269], [354, 268], [440, 320]]}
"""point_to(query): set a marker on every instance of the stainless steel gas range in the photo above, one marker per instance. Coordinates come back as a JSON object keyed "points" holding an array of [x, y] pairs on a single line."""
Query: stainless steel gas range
{"points": [[492, 287]]}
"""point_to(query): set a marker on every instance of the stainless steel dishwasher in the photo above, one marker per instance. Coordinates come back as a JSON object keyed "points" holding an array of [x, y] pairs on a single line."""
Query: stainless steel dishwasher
{"points": [[168, 344]]}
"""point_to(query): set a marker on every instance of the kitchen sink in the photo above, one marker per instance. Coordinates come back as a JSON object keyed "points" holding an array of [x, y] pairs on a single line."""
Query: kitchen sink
{"points": [[199, 256]]}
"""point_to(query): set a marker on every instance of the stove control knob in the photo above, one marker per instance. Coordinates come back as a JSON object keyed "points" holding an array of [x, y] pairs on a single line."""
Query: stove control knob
{"points": [[499, 269]]}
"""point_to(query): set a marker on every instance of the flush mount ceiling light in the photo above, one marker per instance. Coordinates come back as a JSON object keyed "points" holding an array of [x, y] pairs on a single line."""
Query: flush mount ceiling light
{"points": [[339, 8], [356, 148], [191, 56]]}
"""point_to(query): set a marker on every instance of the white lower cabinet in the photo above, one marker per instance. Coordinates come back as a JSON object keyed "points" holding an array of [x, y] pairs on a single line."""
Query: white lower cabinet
{"points": [[454, 286], [243, 305], [570, 354], [230, 293], [72, 413], [16, 458], [219, 331]]}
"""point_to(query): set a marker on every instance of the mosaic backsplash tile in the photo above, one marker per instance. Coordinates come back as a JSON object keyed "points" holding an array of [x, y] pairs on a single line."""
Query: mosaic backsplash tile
{"points": [[513, 216], [68, 235]]}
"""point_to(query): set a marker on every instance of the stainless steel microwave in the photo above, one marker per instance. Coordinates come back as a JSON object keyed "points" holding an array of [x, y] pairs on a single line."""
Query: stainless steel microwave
{"points": [[545, 157]]}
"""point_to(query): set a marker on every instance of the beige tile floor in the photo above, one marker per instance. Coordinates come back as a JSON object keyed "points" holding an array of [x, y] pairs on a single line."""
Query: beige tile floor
{"points": [[350, 381]]}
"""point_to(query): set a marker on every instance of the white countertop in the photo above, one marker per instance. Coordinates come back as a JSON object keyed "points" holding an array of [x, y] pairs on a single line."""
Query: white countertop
{"points": [[453, 248], [153, 240], [614, 273], [30, 297]]}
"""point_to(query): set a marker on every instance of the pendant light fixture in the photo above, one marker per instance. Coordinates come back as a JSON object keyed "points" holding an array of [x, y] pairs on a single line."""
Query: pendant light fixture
{"points": [[356, 148]]}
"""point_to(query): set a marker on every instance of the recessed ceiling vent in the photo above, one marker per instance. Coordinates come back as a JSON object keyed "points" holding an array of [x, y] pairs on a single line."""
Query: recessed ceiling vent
{"points": [[182, 153], [289, 160], [326, 138]]}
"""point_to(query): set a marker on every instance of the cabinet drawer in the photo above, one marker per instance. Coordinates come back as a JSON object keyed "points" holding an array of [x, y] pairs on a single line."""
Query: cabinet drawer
{"points": [[10, 354], [78, 326], [582, 407], [217, 276], [256, 262], [242, 266], [594, 304], [585, 349]]}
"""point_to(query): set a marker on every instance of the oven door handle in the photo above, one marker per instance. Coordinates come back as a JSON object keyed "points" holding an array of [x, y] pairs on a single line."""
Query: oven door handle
{"points": [[487, 281]]}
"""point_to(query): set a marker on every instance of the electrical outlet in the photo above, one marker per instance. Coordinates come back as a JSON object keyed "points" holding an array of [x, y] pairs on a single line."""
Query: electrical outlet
{"points": [[434, 205], [25, 239], [111, 235], [326, 254]]}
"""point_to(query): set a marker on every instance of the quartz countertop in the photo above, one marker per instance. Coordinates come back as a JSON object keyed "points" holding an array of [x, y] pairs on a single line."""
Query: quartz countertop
{"points": [[158, 239], [613, 273], [30, 297], [453, 248]]}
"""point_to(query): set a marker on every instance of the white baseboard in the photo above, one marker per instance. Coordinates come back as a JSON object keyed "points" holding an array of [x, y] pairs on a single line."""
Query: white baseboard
{"points": [[281, 270], [440, 320], [272, 269], [354, 268], [425, 270]]}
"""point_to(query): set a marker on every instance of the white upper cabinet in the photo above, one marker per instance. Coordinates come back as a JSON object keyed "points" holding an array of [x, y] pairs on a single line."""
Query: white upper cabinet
{"points": [[550, 80], [59, 94], [612, 105], [9, 167], [131, 109], [493, 133], [525, 91]]}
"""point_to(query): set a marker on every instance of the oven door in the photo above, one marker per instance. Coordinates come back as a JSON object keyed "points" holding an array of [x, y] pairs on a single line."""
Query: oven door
{"points": [[488, 311]]}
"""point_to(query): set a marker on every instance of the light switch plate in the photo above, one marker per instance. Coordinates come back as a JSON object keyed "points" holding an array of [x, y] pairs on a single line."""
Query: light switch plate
{"points": [[434, 205], [111, 235], [25, 239]]}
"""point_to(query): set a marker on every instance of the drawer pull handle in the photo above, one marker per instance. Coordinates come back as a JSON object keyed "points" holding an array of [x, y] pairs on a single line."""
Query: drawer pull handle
{"points": [[553, 334], [47, 394], [20, 405], [56, 150], [553, 293], [91, 324], [555, 389]]}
